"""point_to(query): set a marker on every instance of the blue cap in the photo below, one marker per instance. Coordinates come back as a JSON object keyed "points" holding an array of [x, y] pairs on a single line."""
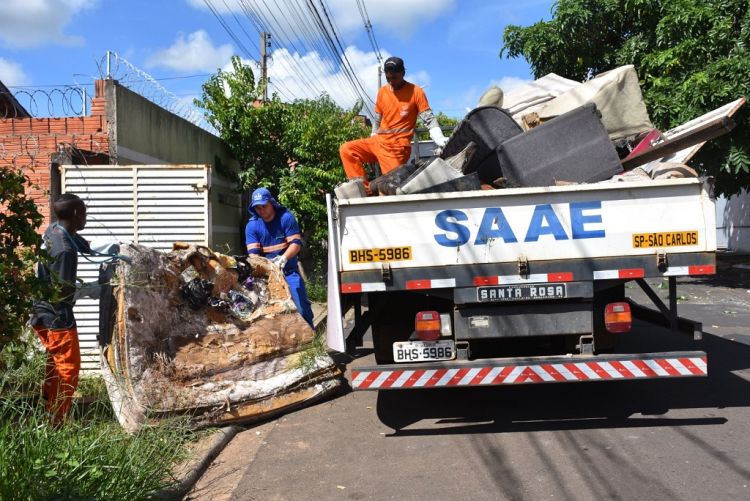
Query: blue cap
{"points": [[261, 196]]}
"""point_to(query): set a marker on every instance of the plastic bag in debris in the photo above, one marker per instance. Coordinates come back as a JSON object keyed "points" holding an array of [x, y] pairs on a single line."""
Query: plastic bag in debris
{"points": [[197, 292]]}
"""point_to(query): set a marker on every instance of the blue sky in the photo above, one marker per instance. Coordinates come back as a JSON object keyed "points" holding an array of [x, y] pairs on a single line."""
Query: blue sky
{"points": [[450, 46]]}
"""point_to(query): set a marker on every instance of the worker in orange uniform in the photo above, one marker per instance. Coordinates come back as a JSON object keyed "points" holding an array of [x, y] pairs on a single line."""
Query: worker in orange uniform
{"points": [[398, 105], [53, 319]]}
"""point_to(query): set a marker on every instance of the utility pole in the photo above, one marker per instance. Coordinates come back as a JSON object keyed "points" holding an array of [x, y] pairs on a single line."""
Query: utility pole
{"points": [[265, 42], [380, 76]]}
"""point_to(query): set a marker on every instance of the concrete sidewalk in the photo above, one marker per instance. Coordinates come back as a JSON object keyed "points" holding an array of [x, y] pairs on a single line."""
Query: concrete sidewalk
{"points": [[208, 448]]}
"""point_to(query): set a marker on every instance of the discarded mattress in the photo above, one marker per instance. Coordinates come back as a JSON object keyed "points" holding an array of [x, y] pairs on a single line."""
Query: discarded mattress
{"points": [[204, 335], [617, 96], [533, 96]]}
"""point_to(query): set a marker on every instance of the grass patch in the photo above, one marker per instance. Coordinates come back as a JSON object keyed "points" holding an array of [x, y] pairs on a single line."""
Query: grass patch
{"points": [[89, 457], [317, 348], [317, 290], [22, 365]]}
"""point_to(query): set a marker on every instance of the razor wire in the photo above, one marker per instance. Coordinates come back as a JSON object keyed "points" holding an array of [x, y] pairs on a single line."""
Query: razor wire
{"points": [[39, 102], [76, 99], [116, 67]]}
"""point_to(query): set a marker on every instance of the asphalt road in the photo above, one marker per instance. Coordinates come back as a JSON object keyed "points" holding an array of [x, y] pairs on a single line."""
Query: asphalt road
{"points": [[661, 439]]}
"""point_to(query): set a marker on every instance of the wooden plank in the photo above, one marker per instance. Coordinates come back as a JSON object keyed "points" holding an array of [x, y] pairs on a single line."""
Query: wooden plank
{"points": [[715, 128]]}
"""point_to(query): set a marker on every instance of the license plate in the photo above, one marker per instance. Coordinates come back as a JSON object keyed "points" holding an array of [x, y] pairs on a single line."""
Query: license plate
{"points": [[522, 292], [381, 254], [421, 351], [666, 239]]}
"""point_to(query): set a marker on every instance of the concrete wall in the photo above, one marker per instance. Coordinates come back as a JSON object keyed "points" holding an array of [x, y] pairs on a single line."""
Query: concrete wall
{"points": [[733, 223], [144, 133]]}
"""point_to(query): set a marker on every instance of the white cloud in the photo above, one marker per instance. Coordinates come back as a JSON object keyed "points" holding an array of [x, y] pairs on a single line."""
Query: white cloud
{"points": [[509, 83], [320, 76], [308, 76], [463, 102], [195, 52], [12, 73], [399, 17], [29, 23]]}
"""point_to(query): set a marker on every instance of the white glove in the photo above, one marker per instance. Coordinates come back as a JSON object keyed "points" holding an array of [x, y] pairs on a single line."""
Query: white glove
{"points": [[279, 261], [437, 135]]}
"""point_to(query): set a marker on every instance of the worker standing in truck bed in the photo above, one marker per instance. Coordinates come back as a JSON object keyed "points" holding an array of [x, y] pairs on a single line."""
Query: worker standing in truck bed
{"points": [[398, 105]]}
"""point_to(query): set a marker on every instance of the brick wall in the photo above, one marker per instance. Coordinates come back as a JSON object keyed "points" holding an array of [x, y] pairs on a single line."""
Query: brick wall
{"points": [[29, 144]]}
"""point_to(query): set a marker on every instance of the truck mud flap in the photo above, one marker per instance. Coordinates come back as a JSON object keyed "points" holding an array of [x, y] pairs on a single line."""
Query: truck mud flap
{"points": [[495, 372]]}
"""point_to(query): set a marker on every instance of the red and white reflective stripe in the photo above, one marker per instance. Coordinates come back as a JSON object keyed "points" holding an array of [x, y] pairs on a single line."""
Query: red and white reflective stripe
{"points": [[623, 273], [534, 278], [531, 373], [362, 287], [431, 284], [706, 269]]}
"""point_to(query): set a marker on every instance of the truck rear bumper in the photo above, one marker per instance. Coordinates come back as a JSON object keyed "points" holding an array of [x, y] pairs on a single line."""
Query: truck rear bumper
{"points": [[561, 369]]}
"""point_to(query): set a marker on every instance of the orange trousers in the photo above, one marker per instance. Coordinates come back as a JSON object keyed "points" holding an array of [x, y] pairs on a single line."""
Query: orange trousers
{"points": [[61, 371], [372, 149]]}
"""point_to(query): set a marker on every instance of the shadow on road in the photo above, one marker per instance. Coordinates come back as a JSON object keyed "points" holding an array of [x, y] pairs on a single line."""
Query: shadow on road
{"points": [[732, 271], [570, 406]]}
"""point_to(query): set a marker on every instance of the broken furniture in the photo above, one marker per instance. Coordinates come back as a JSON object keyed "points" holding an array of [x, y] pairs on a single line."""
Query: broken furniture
{"points": [[617, 96], [572, 147], [230, 349], [487, 127], [681, 143]]}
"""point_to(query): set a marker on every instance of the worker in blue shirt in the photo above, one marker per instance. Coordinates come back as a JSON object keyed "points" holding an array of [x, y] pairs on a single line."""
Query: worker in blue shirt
{"points": [[273, 232]]}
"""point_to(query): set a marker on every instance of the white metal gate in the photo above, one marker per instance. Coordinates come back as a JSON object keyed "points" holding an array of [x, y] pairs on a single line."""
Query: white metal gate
{"points": [[152, 205]]}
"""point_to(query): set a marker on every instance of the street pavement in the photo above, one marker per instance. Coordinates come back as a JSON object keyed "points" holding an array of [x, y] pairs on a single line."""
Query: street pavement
{"points": [[681, 439]]}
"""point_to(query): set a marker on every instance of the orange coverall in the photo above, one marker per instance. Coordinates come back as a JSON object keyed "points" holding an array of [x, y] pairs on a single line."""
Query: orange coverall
{"points": [[55, 324], [391, 146], [61, 370]]}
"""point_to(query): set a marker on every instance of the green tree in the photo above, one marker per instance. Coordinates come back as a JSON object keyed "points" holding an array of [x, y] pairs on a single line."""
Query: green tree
{"points": [[691, 56], [444, 121], [291, 148], [19, 241]]}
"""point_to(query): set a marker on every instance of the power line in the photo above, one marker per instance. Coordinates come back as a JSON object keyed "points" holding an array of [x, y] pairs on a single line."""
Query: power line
{"points": [[368, 28], [309, 78], [314, 33], [344, 57], [334, 49], [231, 33], [304, 76], [317, 45], [255, 22]]}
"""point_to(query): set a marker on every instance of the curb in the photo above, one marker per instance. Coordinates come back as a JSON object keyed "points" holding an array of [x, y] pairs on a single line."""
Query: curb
{"points": [[188, 473], [206, 450]]}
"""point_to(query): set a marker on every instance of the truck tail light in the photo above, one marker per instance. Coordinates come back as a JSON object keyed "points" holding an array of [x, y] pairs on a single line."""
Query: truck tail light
{"points": [[617, 317], [427, 325]]}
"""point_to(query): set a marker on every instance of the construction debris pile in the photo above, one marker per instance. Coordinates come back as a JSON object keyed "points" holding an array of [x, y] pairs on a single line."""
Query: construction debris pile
{"points": [[218, 338], [556, 131]]}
